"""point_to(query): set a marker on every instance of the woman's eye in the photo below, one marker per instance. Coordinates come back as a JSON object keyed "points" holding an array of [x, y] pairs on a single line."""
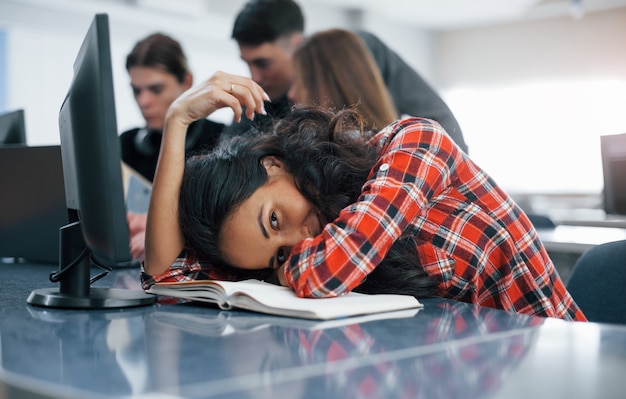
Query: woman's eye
{"points": [[280, 256], [274, 221]]}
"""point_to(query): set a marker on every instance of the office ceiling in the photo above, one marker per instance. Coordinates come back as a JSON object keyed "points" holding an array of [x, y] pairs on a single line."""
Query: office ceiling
{"points": [[456, 14], [438, 15]]}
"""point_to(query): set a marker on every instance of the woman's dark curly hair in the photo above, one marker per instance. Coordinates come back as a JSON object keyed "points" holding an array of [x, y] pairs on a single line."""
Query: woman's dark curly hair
{"points": [[330, 158]]}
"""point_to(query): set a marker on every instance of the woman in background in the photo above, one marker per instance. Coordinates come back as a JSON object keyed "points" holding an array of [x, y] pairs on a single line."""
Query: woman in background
{"points": [[334, 69]]}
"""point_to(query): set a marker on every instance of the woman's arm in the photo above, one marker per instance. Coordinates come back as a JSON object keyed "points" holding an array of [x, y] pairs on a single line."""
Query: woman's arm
{"points": [[416, 165], [164, 238]]}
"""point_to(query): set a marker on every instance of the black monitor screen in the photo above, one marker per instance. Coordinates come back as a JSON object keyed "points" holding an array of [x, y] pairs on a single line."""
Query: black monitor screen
{"points": [[97, 232], [613, 148], [90, 149], [12, 128]]}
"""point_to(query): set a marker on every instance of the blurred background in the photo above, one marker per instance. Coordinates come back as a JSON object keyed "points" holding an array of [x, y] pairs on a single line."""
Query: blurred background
{"points": [[533, 83]]}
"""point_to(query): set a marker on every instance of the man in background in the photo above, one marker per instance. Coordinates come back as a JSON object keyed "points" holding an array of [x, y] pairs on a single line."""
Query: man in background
{"points": [[159, 73], [268, 32]]}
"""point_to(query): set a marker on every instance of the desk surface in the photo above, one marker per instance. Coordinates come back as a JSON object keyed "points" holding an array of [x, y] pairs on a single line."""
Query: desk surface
{"points": [[593, 217], [578, 239], [446, 350]]}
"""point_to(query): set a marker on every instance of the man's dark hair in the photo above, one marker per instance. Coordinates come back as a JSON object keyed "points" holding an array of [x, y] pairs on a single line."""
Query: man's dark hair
{"points": [[262, 21]]}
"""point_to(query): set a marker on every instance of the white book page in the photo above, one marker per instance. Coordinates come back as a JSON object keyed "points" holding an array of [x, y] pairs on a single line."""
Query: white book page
{"points": [[272, 299], [282, 300]]}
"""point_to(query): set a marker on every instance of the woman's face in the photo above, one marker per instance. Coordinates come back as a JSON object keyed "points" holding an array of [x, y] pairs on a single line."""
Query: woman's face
{"points": [[155, 90], [297, 93], [262, 230]]}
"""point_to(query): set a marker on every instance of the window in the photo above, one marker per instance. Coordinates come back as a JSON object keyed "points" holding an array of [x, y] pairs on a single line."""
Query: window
{"points": [[541, 137]]}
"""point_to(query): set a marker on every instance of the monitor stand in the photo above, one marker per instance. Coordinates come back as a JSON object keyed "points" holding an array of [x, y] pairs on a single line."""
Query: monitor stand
{"points": [[74, 291]]}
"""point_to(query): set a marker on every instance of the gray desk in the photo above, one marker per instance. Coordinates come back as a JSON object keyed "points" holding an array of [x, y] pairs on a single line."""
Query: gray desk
{"points": [[578, 239], [593, 217], [566, 243], [446, 350]]}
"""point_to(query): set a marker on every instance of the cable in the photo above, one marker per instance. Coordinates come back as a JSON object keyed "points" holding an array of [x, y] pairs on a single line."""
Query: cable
{"points": [[55, 277], [107, 269]]}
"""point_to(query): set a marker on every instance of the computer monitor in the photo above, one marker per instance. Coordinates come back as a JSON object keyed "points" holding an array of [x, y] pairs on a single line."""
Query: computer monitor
{"points": [[32, 203], [12, 128], [613, 150], [97, 233]]}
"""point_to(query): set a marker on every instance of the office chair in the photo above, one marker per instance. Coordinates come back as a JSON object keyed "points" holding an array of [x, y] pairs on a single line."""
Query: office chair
{"points": [[541, 221], [597, 283]]}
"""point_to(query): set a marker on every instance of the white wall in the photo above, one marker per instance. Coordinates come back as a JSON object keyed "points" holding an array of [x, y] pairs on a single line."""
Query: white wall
{"points": [[533, 98], [561, 48]]}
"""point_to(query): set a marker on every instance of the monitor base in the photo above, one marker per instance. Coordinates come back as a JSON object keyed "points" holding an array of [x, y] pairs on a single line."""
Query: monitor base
{"points": [[98, 298]]}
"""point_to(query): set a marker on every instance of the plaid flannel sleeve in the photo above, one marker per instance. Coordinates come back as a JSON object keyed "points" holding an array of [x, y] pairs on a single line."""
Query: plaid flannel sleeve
{"points": [[410, 171]]}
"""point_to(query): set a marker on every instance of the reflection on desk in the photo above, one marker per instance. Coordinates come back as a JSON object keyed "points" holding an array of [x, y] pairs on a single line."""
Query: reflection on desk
{"points": [[446, 350], [578, 239]]}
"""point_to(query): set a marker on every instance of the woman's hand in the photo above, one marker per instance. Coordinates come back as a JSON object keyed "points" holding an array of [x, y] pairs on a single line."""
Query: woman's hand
{"points": [[164, 237], [222, 90], [137, 232]]}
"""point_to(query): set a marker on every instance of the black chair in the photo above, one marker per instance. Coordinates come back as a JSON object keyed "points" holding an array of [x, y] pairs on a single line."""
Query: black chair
{"points": [[598, 283], [541, 221]]}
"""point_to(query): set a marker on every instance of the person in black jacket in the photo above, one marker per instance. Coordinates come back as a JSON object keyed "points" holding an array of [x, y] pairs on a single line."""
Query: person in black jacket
{"points": [[269, 31], [158, 72]]}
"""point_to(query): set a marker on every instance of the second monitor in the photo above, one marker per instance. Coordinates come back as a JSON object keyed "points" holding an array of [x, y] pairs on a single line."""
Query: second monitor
{"points": [[12, 128], [613, 150]]}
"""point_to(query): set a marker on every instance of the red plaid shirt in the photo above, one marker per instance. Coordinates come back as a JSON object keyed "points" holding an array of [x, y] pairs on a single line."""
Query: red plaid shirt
{"points": [[469, 234]]}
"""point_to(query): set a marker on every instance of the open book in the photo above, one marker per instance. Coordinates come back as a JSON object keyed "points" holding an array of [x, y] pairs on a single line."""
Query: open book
{"points": [[262, 297]]}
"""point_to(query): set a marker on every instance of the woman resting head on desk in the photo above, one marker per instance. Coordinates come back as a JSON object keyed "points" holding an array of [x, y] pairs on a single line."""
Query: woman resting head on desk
{"points": [[325, 208]]}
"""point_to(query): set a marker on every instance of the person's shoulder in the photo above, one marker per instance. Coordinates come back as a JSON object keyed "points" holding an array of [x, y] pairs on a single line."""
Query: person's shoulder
{"points": [[411, 123], [368, 36], [129, 133], [203, 134], [208, 125], [375, 44], [127, 139], [427, 128], [403, 132]]}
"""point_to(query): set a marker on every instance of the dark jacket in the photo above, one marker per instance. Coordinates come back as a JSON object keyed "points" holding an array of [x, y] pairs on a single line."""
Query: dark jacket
{"points": [[140, 146], [411, 94]]}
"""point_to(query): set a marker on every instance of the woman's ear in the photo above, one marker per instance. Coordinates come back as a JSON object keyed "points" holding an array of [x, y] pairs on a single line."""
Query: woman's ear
{"points": [[273, 165], [188, 81]]}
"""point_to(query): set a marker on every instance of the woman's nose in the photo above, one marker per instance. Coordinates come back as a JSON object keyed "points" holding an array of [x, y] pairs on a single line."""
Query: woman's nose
{"points": [[143, 99]]}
